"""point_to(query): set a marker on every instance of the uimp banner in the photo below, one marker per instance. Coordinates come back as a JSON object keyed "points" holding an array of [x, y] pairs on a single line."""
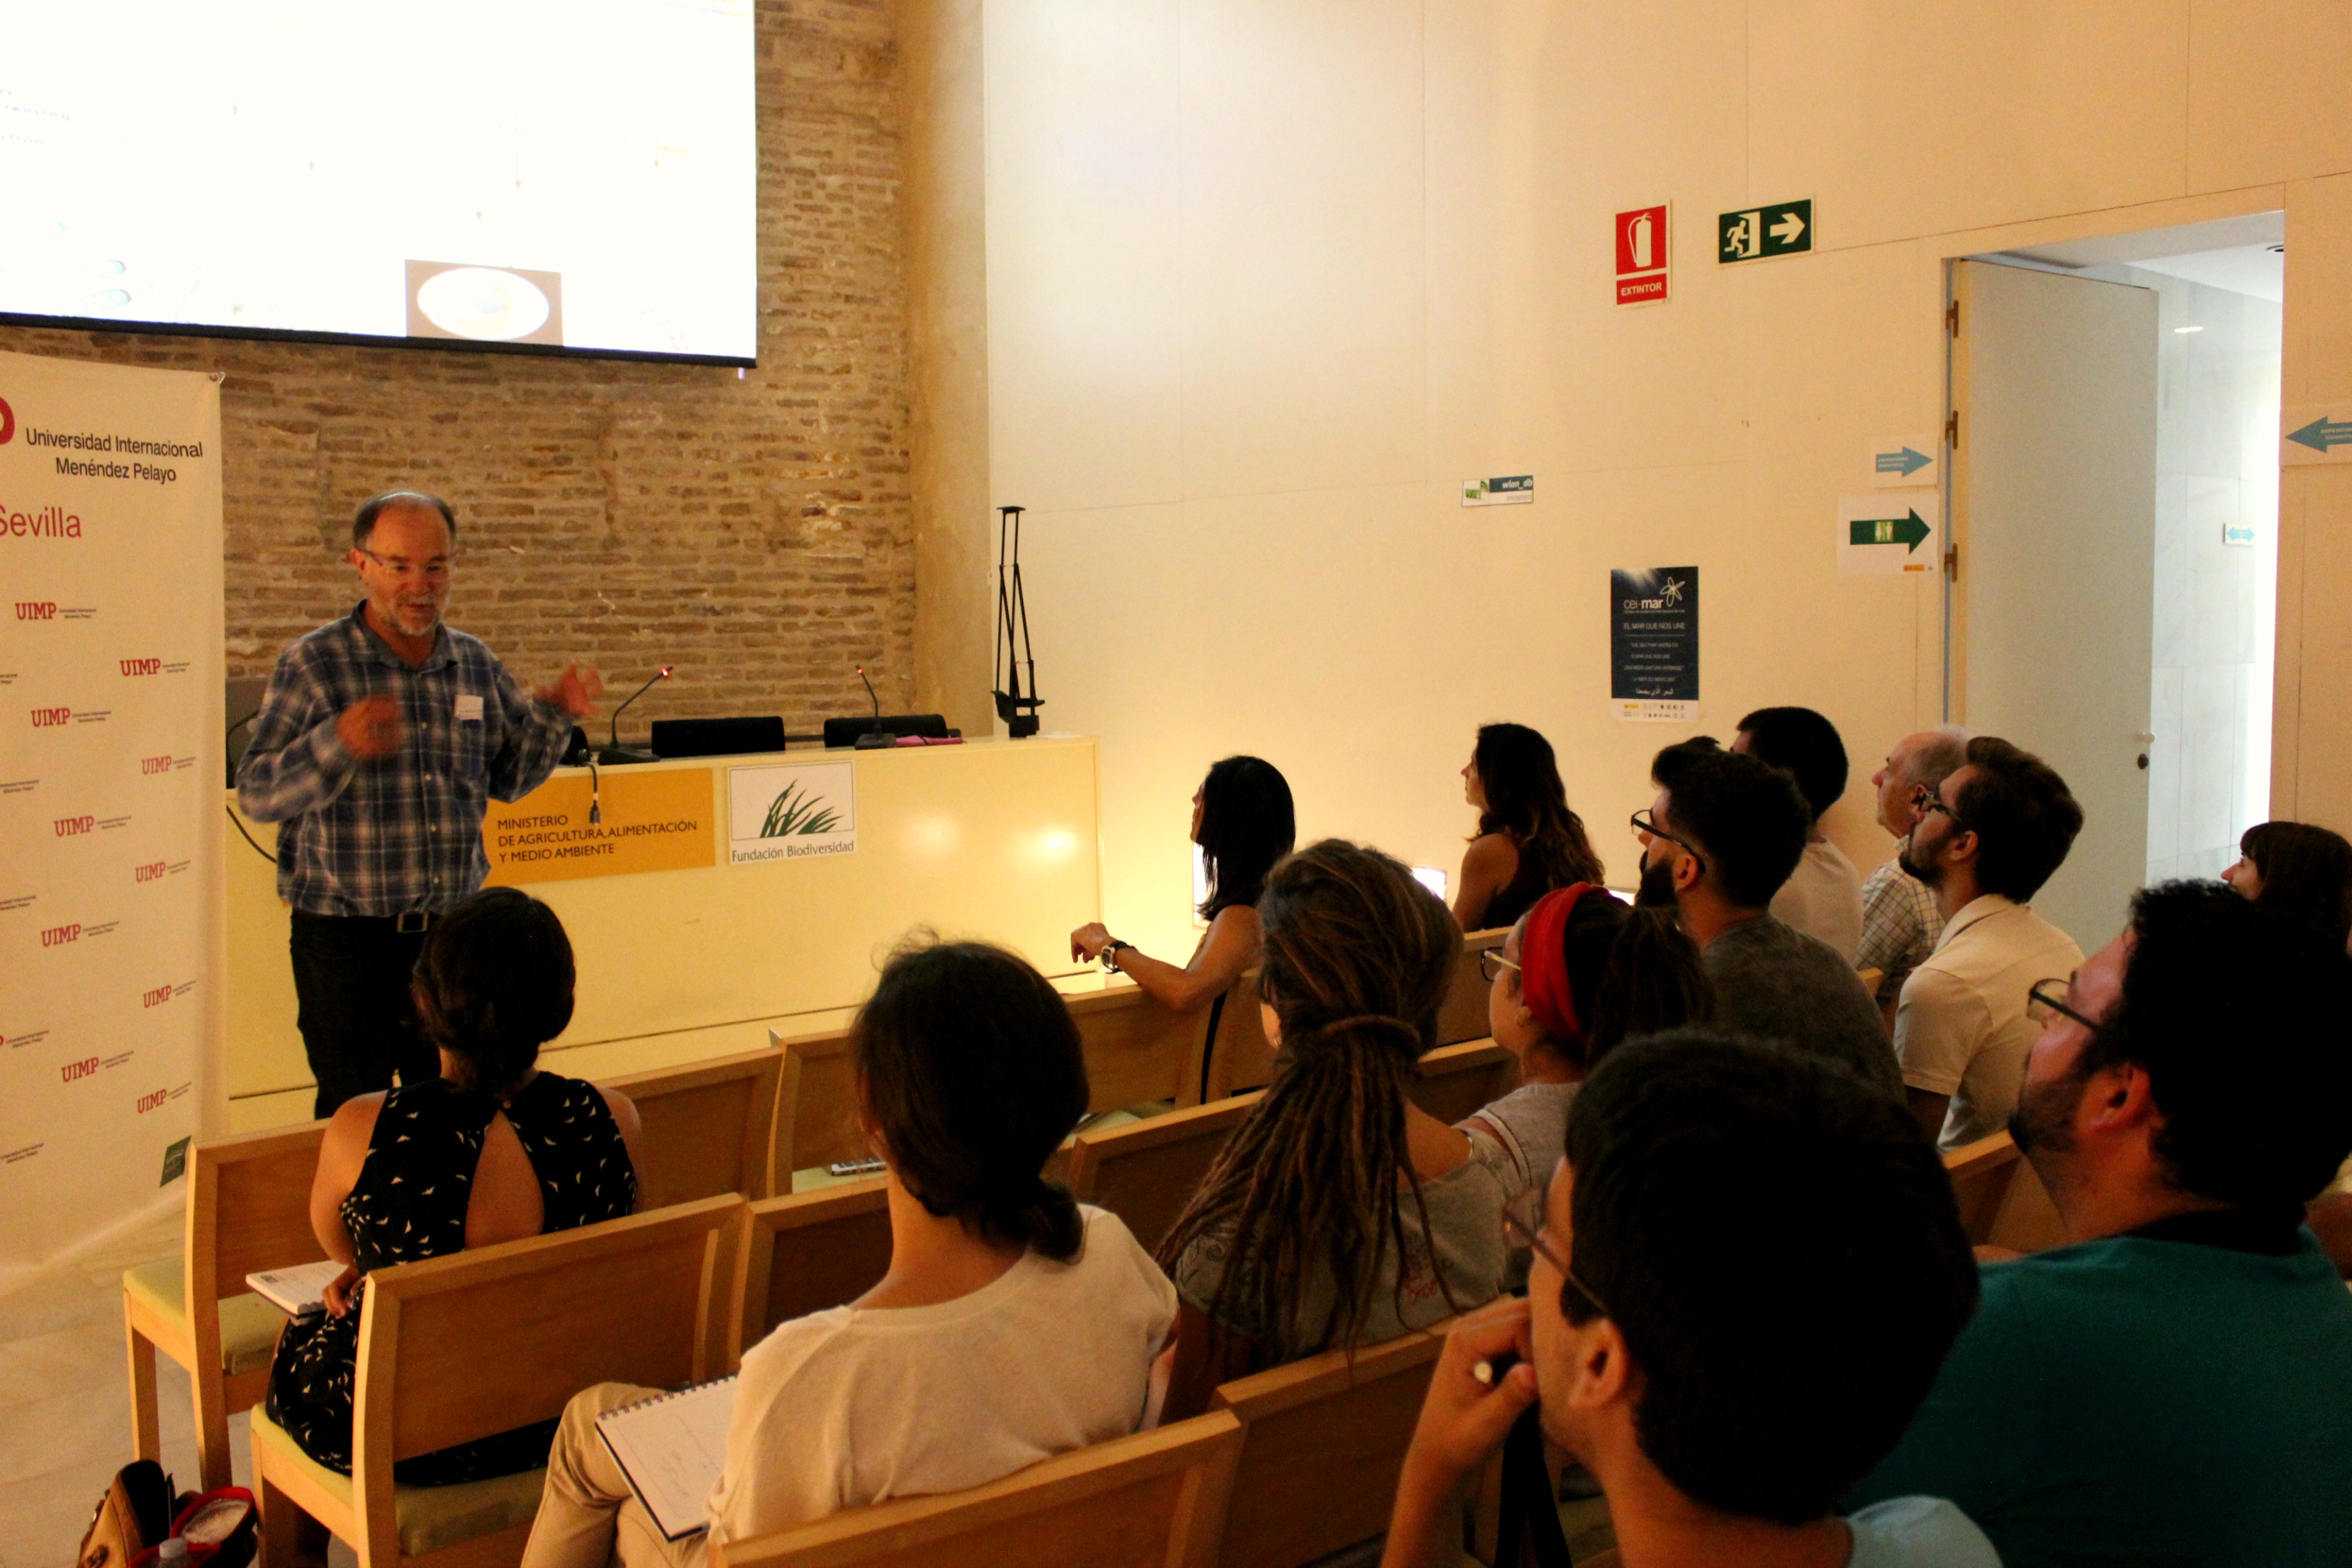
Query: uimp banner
{"points": [[111, 962]]}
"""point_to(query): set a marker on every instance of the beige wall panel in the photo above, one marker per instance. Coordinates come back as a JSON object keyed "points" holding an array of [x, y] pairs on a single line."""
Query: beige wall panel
{"points": [[2311, 755], [2267, 91], [1524, 181], [1906, 119], [1084, 346], [1302, 245]]}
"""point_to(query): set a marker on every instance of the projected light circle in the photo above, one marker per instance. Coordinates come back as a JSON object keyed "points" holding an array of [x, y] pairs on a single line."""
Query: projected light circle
{"points": [[483, 302]]}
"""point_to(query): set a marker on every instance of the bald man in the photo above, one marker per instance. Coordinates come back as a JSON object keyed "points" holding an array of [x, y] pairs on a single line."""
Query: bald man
{"points": [[1900, 922]]}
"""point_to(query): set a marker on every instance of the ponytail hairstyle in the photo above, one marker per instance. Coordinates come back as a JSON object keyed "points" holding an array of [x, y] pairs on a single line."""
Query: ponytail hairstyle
{"points": [[970, 1073], [1358, 956], [492, 985], [1247, 824], [1525, 799], [1593, 971]]}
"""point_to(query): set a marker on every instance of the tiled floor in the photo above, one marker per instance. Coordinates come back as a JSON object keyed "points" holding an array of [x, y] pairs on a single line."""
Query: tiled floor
{"points": [[65, 1402]]}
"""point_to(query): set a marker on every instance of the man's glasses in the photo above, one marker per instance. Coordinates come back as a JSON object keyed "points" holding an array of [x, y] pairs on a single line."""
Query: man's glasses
{"points": [[1491, 962], [2044, 997], [1645, 823], [1523, 1219], [1925, 800], [434, 570]]}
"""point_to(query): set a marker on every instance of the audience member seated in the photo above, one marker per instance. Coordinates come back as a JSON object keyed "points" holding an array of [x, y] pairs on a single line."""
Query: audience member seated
{"points": [[1244, 823], [1900, 922], [1822, 896], [1014, 1323], [1338, 1213], [1722, 836], [2300, 871], [1579, 972], [491, 1151], [2304, 873], [2175, 1388], [1529, 840], [1747, 1270], [1984, 843]]}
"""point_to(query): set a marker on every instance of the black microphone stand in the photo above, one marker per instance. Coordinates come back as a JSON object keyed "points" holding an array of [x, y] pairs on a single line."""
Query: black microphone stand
{"points": [[617, 754], [877, 739], [1015, 704]]}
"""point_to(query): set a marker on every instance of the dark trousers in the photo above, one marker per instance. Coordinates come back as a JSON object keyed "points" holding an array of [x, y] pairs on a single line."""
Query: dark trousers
{"points": [[351, 987]]}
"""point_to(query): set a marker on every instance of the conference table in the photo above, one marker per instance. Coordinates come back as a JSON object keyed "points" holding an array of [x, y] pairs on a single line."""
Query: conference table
{"points": [[716, 898]]}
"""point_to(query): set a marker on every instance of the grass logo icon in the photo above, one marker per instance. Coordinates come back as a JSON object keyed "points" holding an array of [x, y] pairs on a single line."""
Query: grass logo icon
{"points": [[788, 816]]}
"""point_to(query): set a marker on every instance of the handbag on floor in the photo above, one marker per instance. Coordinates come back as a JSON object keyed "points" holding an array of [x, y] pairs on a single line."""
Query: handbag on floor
{"points": [[133, 1517]]}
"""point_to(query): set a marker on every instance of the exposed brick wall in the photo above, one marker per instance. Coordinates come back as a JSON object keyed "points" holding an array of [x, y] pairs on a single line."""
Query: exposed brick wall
{"points": [[754, 533]]}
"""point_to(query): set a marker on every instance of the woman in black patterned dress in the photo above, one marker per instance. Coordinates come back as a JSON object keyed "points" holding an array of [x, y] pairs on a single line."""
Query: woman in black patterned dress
{"points": [[492, 1150]]}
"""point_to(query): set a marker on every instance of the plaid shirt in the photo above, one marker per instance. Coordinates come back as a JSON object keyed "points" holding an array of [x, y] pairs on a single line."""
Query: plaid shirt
{"points": [[1900, 926], [402, 832]]}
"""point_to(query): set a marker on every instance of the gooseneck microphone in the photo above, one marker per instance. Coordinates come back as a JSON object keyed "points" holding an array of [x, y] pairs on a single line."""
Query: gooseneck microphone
{"points": [[615, 753], [876, 739]]}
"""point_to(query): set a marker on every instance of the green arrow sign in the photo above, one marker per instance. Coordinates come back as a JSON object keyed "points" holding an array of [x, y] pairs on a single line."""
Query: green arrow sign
{"points": [[2322, 434], [1909, 530]]}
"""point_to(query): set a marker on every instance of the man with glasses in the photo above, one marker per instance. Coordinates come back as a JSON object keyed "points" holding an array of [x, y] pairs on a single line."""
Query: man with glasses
{"points": [[2173, 1388], [1723, 835], [380, 740], [1900, 921], [1984, 842], [1747, 1270]]}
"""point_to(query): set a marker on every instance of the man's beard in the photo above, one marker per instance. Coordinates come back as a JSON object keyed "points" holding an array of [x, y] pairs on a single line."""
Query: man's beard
{"points": [[1657, 887], [1931, 873], [2044, 1117]]}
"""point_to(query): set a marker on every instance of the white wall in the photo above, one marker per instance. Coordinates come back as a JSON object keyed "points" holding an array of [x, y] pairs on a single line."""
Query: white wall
{"points": [[1268, 279], [2209, 699]]}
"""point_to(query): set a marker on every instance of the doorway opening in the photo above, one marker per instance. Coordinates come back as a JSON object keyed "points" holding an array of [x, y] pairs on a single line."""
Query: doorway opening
{"points": [[2194, 542]]}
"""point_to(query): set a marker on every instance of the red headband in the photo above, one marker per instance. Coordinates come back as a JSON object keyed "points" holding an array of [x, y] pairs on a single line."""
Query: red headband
{"points": [[1543, 964]]}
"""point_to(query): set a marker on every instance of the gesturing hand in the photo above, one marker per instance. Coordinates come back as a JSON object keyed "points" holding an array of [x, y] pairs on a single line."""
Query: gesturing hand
{"points": [[574, 689], [1087, 942], [370, 728]]}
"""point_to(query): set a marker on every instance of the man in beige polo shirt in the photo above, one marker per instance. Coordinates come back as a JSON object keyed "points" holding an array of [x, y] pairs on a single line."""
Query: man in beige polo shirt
{"points": [[1984, 843]]}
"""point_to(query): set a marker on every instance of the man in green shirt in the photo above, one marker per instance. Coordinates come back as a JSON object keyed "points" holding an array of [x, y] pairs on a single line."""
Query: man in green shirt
{"points": [[2175, 1387]]}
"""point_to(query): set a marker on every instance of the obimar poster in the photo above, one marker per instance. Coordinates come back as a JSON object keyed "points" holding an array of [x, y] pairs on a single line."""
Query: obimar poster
{"points": [[1654, 643]]}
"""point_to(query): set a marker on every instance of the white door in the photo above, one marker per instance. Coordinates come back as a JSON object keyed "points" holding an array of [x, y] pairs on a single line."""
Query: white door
{"points": [[2054, 510]]}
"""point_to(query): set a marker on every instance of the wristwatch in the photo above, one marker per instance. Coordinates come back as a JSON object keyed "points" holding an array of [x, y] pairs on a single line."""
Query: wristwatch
{"points": [[1109, 954]]}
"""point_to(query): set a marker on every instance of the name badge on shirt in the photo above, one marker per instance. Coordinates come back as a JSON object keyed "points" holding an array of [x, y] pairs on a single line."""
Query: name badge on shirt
{"points": [[469, 707]]}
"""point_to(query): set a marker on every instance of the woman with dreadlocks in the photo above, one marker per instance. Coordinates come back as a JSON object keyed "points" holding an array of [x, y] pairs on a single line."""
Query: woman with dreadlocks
{"points": [[1339, 1213]]}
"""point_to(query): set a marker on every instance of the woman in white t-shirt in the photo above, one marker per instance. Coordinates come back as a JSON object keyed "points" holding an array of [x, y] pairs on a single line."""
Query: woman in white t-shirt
{"points": [[1012, 1324]]}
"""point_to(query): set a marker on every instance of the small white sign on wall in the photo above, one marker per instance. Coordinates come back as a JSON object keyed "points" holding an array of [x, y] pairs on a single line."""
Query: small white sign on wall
{"points": [[1887, 533], [788, 811], [1510, 489]]}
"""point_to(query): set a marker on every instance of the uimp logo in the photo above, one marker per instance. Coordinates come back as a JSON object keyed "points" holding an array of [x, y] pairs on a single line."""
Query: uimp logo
{"points": [[155, 1102], [57, 936], [36, 609], [150, 872], [51, 718], [140, 666], [162, 764], [7, 423], [68, 826], [156, 998], [73, 1072]]}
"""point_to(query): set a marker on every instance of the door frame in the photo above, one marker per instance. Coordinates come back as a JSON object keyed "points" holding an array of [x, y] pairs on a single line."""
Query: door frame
{"points": [[1944, 660]]}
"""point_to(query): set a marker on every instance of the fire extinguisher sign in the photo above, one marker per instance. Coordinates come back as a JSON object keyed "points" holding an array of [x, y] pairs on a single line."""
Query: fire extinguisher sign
{"points": [[1642, 254]]}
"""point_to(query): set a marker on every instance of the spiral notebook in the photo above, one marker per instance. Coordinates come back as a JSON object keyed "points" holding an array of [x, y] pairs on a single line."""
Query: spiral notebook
{"points": [[298, 1291], [672, 1448]]}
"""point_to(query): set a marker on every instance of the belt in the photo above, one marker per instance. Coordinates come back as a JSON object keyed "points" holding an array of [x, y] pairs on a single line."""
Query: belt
{"points": [[408, 923]]}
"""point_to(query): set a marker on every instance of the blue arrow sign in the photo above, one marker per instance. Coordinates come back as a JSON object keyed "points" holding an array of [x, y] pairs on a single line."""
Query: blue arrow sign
{"points": [[2324, 433], [1905, 461]]}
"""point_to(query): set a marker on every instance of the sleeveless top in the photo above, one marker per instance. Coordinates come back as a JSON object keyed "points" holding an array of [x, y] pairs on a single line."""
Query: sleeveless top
{"points": [[1519, 895], [409, 1203]]}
